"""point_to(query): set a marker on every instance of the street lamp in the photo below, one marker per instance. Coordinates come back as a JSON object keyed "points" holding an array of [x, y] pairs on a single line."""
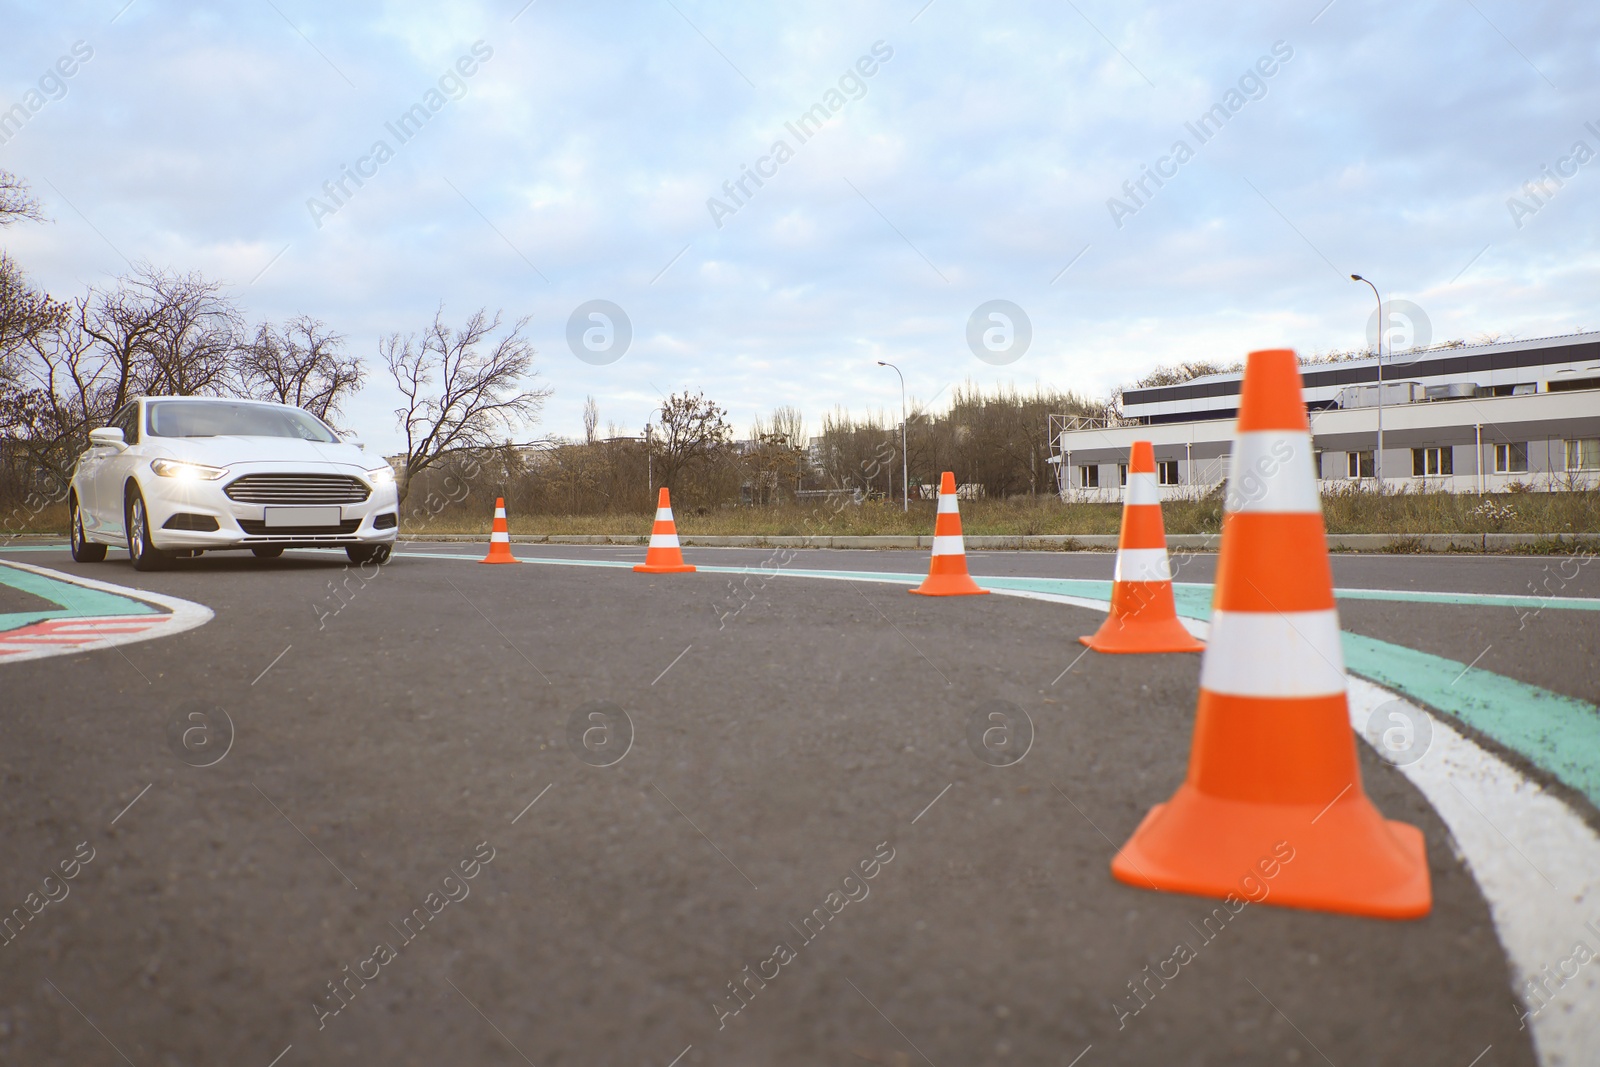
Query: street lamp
{"points": [[905, 484], [1377, 457]]}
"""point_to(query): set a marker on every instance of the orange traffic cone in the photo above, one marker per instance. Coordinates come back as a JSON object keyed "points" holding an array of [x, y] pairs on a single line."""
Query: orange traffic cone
{"points": [[663, 556], [500, 537], [1143, 618], [1273, 802], [947, 573]]}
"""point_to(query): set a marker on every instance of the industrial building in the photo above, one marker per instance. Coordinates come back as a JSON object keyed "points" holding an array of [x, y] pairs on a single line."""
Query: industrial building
{"points": [[1458, 418]]}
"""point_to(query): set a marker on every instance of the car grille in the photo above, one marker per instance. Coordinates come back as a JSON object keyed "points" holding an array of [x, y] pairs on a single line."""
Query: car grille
{"points": [[258, 528], [297, 489]]}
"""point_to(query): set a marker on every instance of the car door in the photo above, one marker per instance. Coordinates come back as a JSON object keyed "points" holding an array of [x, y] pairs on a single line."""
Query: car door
{"points": [[114, 470], [85, 481]]}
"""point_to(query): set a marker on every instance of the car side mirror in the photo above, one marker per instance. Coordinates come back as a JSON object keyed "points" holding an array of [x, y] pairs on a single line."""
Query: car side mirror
{"points": [[107, 437]]}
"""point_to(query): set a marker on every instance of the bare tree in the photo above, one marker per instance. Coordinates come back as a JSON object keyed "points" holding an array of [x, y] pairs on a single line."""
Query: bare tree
{"points": [[691, 433], [1183, 372], [591, 419], [24, 311], [62, 387], [199, 331], [299, 363], [158, 332], [459, 396], [17, 201], [777, 457]]}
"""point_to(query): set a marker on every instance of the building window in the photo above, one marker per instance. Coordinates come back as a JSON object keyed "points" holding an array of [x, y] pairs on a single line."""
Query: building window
{"points": [[1167, 472], [1584, 454], [1512, 458], [1432, 462], [1358, 465], [1089, 476], [1122, 474]]}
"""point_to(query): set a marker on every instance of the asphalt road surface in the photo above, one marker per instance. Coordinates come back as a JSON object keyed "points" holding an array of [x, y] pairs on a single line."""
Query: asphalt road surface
{"points": [[429, 727]]}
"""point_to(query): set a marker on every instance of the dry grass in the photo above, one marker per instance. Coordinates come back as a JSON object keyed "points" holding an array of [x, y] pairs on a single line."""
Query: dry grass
{"points": [[1395, 513]]}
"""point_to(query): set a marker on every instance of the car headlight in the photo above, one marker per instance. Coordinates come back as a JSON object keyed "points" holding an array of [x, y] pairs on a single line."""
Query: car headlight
{"points": [[382, 476], [186, 472]]}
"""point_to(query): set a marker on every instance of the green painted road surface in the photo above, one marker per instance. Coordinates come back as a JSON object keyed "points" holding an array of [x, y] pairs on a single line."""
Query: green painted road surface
{"points": [[73, 601]]}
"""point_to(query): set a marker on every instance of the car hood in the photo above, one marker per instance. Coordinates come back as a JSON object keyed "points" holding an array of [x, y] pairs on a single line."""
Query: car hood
{"points": [[226, 450]]}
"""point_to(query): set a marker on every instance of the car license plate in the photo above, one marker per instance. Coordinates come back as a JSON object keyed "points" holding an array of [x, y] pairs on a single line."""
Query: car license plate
{"points": [[320, 516]]}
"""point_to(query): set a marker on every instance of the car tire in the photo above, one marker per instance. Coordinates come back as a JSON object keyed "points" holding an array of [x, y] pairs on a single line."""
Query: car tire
{"points": [[267, 551], [83, 550], [146, 556], [378, 554]]}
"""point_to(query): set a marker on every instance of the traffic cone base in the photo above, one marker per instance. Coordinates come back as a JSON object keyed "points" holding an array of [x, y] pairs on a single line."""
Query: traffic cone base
{"points": [[500, 537], [947, 571], [664, 556], [1347, 858], [947, 576], [679, 568], [1143, 619]]}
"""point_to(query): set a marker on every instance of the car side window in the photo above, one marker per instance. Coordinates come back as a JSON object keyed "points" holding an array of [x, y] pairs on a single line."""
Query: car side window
{"points": [[122, 419], [129, 424]]}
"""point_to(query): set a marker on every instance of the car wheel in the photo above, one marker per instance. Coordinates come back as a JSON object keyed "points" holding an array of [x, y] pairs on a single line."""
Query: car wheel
{"points": [[84, 550], [146, 556], [368, 553], [267, 551]]}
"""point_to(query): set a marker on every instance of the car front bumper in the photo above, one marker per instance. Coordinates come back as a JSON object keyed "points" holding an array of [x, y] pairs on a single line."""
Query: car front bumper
{"points": [[181, 512]]}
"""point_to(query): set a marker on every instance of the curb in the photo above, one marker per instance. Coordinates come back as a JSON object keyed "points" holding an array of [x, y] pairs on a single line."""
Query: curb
{"points": [[1385, 543]]}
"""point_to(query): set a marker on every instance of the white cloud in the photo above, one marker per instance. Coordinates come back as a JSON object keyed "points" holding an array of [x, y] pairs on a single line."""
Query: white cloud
{"points": [[990, 141]]}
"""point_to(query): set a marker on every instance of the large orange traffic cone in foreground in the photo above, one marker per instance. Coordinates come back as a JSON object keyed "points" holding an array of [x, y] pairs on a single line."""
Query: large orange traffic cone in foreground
{"points": [[1272, 808], [663, 556], [1143, 618], [500, 537], [947, 573]]}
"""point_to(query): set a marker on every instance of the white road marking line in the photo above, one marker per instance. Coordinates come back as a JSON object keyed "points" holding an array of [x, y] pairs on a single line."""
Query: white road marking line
{"points": [[1503, 837], [280, 1056], [131, 803], [685, 1052], [184, 615]]}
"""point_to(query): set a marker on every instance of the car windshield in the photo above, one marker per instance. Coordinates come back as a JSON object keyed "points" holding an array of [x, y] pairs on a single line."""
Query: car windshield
{"points": [[217, 418]]}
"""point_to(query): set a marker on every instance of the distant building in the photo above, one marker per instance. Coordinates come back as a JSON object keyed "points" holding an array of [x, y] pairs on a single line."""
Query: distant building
{"points": [[1464, 419]]}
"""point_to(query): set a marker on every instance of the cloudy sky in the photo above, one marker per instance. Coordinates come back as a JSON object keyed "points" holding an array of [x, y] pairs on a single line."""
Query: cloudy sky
{"points": [[561, 153]]}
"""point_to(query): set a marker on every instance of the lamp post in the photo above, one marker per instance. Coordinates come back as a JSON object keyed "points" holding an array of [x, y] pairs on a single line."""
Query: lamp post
{"points": [[905, 484], [1377, 457]]}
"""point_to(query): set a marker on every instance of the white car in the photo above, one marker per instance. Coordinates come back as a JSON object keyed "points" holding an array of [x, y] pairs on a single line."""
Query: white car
{"points": [[174, 476]]}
